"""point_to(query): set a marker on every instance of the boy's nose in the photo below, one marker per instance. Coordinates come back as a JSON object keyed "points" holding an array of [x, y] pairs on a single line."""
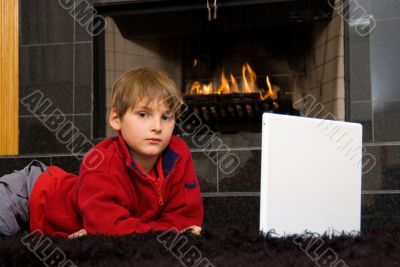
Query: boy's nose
{"points": [[156, 125]]}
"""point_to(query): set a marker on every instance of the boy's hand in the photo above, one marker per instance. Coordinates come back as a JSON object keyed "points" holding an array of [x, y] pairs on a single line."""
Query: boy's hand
{"points": [[80, 233], [194, 229]]}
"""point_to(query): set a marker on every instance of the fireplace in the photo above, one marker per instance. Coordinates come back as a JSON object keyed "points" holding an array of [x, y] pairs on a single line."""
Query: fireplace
{"points": [[233, 60]]}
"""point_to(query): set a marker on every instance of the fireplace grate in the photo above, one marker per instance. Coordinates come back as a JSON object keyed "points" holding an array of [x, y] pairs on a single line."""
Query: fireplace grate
{"points": [[232, 113]]}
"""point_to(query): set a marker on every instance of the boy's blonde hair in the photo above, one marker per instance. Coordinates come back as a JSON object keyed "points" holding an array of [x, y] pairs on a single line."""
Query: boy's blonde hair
{"points": [[135, 84]]}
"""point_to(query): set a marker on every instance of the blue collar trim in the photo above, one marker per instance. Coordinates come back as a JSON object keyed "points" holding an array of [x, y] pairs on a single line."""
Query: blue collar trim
{"points": [[133, 165], [169, 158]]}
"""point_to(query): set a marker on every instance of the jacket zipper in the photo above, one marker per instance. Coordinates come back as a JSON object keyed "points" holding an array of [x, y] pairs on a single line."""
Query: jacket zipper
{"points": [[159, 188], [160, 192]]}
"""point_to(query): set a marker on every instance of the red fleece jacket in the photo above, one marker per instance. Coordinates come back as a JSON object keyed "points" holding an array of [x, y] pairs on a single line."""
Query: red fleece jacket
{"points": [[114, 196]]}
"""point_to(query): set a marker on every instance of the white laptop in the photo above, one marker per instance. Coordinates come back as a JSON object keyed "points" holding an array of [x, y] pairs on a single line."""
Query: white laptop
{"points": [[310, 175]]}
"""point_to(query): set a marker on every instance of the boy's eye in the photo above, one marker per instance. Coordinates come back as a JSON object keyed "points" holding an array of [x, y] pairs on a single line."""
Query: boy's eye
{"points": [[166, 117], [142, 114]]}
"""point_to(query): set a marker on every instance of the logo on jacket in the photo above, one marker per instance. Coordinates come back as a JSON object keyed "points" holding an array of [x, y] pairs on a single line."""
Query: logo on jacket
{"points": [[191, 185]]}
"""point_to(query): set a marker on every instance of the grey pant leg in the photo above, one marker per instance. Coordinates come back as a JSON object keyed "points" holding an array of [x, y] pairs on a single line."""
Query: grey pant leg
{"points": [[8, 221], [32, 172], [15, 189]]}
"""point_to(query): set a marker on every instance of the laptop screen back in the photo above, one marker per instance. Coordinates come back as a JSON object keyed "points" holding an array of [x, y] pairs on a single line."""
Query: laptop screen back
{"points": [[310, 175]]}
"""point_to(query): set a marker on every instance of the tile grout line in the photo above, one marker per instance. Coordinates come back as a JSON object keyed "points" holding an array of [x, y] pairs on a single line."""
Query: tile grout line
{"points": [[198, 150], [257, 194], [50, 44], [73, 77], [382, 144], [370, 81], [48, 115], [217, 172], [380, 192]]}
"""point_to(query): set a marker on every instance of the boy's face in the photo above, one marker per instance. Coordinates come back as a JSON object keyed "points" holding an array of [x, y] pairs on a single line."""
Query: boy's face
{"points": [[146, 128]]}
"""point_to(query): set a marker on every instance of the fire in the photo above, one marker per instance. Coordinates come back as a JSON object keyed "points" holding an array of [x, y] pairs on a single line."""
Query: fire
{"points": [[248, 81], [224, 87], [198, 88], [234, 84], [248, 86], [269, 93], [207, 89]]}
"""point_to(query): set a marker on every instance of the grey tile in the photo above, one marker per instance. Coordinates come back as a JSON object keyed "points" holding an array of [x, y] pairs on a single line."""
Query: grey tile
{"points": [[81, 33], [386, 121], [47, 69], [83, 125], [55, 97], [82, 140], [361, 112], [206, 172], [360, 7], [385, 9], [231, 211], [380, 211], [91, 2], [36, 138], [45, 21], [198, 141], [246, 178], [83, 78], [9, 164], [377, 211], [110, 1], [69, 164], [385, 58], [88, 21], [202, 137], [385, 173], [244, 139], [360, 66], [46, 63], [84, 13]]}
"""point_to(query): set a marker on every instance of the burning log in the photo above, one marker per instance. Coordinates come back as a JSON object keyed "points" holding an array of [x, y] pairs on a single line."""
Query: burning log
{"points": [[235, 112], [248, 82], [226, 107]]}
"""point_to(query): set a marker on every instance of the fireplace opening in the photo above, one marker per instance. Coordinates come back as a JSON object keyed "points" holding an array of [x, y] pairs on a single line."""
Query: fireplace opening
{"points": [[232, 63]]}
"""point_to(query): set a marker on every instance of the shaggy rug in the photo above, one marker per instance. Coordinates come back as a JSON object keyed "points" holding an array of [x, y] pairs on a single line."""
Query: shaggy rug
{"points": [[232, 246]]}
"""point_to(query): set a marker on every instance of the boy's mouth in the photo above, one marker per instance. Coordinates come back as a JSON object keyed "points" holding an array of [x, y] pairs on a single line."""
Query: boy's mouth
{"points": [[153, 140]]}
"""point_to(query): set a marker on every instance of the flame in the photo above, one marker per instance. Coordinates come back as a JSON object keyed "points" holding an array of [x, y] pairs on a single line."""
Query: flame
{"points": [[234, 84], [198, 88], [248, 86], [208, 89], [229, 86], [195, 88], [224, 87], [269, 93]]}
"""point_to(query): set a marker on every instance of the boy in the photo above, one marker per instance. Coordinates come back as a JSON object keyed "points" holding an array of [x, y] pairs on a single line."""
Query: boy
{"points": [[141, 180]]}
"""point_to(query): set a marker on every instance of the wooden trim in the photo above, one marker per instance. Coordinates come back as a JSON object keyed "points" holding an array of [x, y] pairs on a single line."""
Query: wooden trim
{"points": [[9, 77]]}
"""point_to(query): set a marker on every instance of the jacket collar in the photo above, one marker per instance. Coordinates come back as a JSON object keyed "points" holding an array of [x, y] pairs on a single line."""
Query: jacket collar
{"points": [[168, 157]]}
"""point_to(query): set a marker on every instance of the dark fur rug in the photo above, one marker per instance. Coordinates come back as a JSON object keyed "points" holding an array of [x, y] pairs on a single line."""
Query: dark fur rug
{"points": [[233, 246]]}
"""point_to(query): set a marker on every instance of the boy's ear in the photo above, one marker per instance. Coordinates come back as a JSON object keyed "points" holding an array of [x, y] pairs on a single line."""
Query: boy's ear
{"points": [[114, 120]]}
